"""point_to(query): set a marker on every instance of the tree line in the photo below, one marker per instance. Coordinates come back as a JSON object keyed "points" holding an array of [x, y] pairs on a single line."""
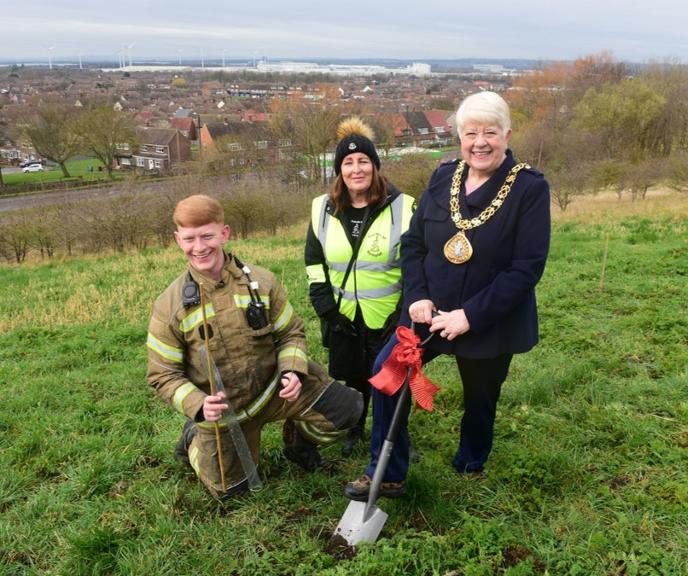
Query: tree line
{"points": [[598, 124], [137, 218]]}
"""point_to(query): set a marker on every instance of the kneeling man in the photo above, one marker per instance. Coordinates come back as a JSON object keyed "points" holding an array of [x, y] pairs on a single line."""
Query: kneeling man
{"points": [[257, 343]]}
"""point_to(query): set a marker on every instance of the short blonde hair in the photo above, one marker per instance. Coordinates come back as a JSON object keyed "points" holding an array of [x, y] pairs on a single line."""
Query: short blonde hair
{"points": [[198, 210], [484, 107]]}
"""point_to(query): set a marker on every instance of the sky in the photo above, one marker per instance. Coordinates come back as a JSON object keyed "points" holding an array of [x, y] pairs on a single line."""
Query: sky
{"points": [[396, 29]]}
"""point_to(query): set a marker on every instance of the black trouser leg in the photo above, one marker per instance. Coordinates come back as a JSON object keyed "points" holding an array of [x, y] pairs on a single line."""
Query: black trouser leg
{"points": [[482, 383]]}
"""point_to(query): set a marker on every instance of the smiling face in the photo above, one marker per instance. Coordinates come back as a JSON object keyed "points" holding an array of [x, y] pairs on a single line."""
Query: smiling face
{"points": [[483, 147], [203, 247], [357, 173]]}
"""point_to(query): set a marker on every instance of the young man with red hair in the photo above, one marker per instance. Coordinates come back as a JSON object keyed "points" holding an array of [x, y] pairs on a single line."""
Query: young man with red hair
{"points": [[257, 342]]}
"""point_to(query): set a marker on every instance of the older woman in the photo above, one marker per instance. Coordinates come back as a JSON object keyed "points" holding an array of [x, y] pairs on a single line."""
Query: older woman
{"points": [[475, 250], [352, 260]]}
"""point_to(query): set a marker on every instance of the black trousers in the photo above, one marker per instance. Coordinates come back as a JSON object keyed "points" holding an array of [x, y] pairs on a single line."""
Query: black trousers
{"points": [[367, 346], [482, 381]]}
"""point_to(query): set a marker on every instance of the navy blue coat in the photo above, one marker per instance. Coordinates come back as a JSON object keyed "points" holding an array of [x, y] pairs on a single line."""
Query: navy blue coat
{"points": [[496, 287]]}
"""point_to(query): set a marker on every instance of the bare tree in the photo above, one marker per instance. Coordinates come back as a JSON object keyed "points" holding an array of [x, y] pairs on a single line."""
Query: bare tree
{"points": [[102, 129], [52, 132], [623, 115], [677, 171], [311, 128], [669, 132]]}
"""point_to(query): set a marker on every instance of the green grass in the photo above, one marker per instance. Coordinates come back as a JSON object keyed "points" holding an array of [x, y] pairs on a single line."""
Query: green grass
{"points": [[78, 170], [587, 477]]}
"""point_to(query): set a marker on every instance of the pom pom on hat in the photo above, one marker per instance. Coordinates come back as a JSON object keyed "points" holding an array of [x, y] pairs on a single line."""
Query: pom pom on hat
{"points": [[354, 136]]}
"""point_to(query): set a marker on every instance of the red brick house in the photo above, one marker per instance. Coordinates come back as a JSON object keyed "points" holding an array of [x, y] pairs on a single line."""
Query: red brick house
{"points": [[186, 126]]}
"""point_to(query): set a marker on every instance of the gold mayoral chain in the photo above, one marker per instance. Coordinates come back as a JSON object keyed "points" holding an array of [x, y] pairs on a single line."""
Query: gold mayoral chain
{"points": [[458, 249]]}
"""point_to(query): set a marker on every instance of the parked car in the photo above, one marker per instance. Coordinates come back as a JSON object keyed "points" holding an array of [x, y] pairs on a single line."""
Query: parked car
{"points": [[26, 163], [33, 168]]}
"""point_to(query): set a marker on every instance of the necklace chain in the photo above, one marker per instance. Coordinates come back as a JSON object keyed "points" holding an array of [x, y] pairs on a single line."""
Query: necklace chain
{"points": [[485, 215]]}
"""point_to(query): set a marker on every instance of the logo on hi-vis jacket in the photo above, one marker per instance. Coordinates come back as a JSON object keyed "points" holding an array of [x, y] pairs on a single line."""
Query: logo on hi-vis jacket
{"points": [[373, 245]]}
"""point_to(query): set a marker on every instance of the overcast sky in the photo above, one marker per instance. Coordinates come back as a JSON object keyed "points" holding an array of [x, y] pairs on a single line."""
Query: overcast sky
{"points": [[401, 29]]}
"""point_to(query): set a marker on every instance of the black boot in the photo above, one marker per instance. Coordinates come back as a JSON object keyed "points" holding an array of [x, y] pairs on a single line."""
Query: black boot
{"points": [[299, 450], [353, 436], [181, 450]]}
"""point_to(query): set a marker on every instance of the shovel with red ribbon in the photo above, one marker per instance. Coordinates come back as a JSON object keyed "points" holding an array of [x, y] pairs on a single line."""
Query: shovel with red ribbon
{"points": [[363, 521]]}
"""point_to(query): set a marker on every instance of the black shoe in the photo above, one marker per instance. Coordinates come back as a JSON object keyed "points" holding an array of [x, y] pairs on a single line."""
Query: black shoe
{"points": [[181, 450], [359, 490], [237, 490], [353, 437], [309, 460], [299, 450]]}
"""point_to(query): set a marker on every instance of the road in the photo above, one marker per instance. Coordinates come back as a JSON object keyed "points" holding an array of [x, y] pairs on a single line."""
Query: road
{"points": [[11, 203]]}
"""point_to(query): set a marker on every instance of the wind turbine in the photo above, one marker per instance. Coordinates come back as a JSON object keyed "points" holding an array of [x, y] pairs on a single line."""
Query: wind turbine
{"points": [[50, 56], [180, 56], [223, 58], [129, 51], [80, 66]]}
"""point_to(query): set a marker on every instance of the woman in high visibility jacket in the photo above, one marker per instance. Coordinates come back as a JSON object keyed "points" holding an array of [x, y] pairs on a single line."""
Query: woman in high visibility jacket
{"points": [[352, 260]]}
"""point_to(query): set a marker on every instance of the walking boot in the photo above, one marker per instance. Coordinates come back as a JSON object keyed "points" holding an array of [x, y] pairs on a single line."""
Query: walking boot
{"points": [[359, 489]]}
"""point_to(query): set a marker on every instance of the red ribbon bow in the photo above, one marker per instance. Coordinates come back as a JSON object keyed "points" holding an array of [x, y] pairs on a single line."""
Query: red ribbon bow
{"points": [[406, 354]]}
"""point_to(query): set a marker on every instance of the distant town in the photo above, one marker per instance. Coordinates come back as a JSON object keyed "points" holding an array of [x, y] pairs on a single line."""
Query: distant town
{"points": [[183, 109]]}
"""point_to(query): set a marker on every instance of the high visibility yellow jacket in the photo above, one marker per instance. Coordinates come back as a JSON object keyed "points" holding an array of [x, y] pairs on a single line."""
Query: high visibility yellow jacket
{"points": [[249, 361], [374, 282]]}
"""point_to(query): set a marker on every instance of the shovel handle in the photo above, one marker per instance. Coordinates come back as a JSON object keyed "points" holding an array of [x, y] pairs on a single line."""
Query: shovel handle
{"points": [[383, 459], [402, 402]]}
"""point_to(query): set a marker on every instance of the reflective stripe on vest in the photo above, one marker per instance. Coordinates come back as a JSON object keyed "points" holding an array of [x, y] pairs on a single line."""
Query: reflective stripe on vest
{"points": [[375, 281], [368, 294], [252, 409]]}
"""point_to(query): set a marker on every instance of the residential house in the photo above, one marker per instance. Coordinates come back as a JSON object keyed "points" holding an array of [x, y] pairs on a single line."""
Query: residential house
{"points": [[159, 149], [185, 125], [403, 133], [252, 115], [423, 128], [440, 126], [248, 143], [420, 128]]}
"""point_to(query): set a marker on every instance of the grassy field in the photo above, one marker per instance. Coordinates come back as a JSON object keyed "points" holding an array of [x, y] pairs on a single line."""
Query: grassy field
{"points": [[78, 170], [588, 475]]}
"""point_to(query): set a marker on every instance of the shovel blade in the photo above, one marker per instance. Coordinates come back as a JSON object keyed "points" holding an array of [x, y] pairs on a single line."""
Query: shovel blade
{"points": [[358, 525]]}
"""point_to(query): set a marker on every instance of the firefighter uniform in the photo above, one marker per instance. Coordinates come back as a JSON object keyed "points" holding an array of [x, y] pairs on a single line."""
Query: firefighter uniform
{"points": [[249, 362]]}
